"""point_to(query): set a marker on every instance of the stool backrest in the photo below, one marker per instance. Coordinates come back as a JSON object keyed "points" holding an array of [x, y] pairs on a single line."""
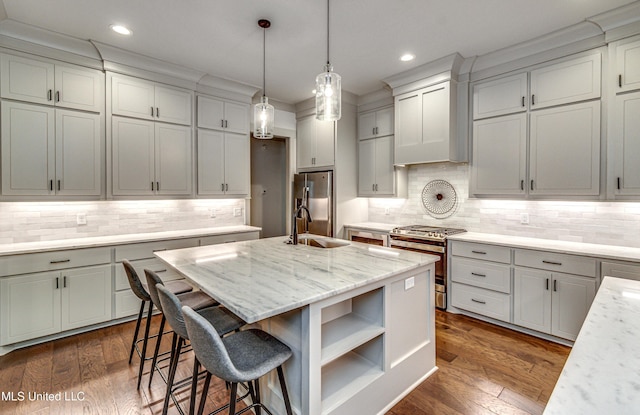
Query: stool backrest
{"points": [[152, 281], [134, 281], [172, 310], [208, 347]]}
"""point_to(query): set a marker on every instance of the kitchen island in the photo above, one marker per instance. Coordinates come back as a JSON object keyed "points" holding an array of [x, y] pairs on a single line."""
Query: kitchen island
{"points": [[359, 318]]}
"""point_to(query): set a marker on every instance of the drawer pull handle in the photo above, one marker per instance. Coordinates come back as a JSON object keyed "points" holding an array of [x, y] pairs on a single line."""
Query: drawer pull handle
{"points": [[479, 252], [547, 284], [555, 285], [57, 283], [478, 301], [478, 275], [160, 270], [551, 262], [64, 282], [60, 261]]}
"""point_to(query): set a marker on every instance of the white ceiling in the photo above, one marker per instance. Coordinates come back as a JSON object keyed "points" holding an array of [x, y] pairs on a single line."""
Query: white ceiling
{"points": [[222, 37]]}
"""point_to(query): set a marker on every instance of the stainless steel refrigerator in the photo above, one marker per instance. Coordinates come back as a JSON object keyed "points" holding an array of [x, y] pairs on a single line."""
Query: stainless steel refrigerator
{"points": [[315, 191]]}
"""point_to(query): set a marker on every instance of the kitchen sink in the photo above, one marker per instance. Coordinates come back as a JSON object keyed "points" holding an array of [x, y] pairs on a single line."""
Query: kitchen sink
{"points": [[321, 243]]}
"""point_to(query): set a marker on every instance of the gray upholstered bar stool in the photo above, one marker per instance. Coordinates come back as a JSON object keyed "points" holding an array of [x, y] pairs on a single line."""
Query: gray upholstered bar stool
{"points": [[194, 299], [140, 290], [221, 318], [245, 356]]}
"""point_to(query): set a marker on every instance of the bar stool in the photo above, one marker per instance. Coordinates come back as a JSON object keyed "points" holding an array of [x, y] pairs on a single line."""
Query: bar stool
{"points": [[140, 290], [194, 299], [221, 318], [241, 357]]}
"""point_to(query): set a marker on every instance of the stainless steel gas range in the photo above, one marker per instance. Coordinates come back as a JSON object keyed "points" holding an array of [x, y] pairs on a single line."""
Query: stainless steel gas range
{"points": [[429, 240]]}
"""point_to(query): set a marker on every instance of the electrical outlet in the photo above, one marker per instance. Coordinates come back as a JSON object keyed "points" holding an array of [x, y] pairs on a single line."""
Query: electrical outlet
{"points": [[237, 211], [212, 213], [524, 218], [386, 210], [409, 283], [81, 218]]}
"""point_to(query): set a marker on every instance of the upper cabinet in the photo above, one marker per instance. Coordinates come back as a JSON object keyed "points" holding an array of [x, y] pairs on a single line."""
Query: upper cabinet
{"points": [[133, 97], [217, 114], [315, 143], [627, 66], [502, 96], [375, 123], [48, 83], [425, 125]]}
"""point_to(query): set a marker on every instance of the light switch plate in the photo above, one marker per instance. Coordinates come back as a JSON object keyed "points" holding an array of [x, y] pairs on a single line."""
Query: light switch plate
{"points": [[237, 211], [524, 218], [81, 218], [409, 283]]}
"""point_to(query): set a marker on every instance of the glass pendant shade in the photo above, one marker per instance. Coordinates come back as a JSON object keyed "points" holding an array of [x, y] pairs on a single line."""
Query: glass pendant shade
{"points": [[263, 115], [328, 95]]}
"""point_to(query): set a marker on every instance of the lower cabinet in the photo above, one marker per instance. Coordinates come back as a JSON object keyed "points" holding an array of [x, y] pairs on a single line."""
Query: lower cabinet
{"points": [[40, 304]]}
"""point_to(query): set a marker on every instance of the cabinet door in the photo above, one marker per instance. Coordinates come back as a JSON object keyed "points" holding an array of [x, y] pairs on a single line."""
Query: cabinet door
{"points": [[499, 155], [408, 126], [79, 88], [384, 122], [237, 164], [210, 113], [29, 306], [366, 125], [132, 97], [86, 296], [628, 67], [26, 79], [366, 167], [500, 97], [565, 150], [532, 299], [133, 156], [384, 170], [236, 117], [78, 153], [325, 143], [172, 159], [210, 162], [566, 82], [173, 105], [626, 138], [305, 142], [28, 148], [570, 303]]}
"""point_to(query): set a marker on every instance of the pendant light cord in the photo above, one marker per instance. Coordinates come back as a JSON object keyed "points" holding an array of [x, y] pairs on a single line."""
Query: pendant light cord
{"points": [[264, 62], [328, 63]]}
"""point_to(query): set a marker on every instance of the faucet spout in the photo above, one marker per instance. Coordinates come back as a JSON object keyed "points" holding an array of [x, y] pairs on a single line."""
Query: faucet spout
{"points": [[294, 232]]}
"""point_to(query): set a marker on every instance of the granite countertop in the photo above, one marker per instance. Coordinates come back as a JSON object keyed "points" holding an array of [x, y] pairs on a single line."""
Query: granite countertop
{"points": [[602, 373], [613, 252], [97, 241], [372, 226], [266, 277]]}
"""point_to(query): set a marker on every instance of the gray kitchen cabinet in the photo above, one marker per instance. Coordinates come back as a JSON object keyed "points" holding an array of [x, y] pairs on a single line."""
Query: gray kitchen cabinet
{"points": [[315, 143], [49, 152], [223, 115], [374, 124], [376, 173], [150, 158], [501, 96], [223, 163], [626, 144], [52, 83], [627, 65], [137, 98]]}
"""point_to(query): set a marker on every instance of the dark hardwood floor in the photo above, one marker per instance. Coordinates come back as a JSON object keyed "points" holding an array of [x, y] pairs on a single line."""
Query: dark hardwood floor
{"points": [[483, 369]]}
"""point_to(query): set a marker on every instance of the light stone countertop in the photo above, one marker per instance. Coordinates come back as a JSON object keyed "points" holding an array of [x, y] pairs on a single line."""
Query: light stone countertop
{"points": [[97, 241], [372, 226], [613, 252], [262, 278], [602, 373]]}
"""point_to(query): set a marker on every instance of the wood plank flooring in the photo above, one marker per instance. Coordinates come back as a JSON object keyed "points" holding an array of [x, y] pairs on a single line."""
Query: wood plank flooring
{"points": [[483, 369]]}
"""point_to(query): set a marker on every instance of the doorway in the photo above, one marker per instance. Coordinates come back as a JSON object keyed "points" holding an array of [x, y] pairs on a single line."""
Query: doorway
{"points": [[269, 186]]}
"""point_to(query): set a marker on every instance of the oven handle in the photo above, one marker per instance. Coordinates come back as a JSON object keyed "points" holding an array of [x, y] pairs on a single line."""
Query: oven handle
{"points": [[417, 246]]}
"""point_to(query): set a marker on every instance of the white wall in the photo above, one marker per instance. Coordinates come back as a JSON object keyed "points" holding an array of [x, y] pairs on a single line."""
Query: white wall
{"points": [[614, 223], [41, 221]]}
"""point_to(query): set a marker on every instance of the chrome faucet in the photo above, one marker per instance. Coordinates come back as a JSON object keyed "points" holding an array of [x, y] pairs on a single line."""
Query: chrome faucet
{"points": [[294, 232]]}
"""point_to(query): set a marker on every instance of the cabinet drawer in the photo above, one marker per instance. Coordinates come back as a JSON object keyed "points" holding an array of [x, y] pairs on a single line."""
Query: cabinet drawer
{"points": [[481, 251], [481, 301], [229, 237], [165, 272], [49, 261], [481, 274], [570, 264], [127, 304], [146, 250]]}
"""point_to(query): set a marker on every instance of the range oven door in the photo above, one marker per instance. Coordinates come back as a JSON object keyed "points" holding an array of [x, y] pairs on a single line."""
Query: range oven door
{"points": [[433, 248]]}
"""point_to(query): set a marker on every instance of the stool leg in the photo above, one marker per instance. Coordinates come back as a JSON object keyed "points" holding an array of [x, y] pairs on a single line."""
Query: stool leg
{"points": [[144, 344], [205, 389], [285, 395], [135, 334], [232, 400], [155, 353], [194, 386], [258, 408], [176, 346]]}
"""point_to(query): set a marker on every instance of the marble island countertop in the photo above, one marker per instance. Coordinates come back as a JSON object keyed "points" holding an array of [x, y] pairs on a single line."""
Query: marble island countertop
{"points": [[91, 242], [262, 278], [602, 373]]}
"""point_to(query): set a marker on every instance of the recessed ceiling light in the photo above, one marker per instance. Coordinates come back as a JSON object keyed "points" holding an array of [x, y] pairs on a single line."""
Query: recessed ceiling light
{"points": [[123, 30], [407, 57]]}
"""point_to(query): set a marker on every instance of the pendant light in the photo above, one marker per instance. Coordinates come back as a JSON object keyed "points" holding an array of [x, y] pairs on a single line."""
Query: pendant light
{"points": [[263, 112], [328, 89]]}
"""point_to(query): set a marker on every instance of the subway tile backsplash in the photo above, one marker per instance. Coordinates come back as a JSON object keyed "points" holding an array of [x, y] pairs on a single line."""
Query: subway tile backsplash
{"points": [[43, 221], [614, 223]]}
